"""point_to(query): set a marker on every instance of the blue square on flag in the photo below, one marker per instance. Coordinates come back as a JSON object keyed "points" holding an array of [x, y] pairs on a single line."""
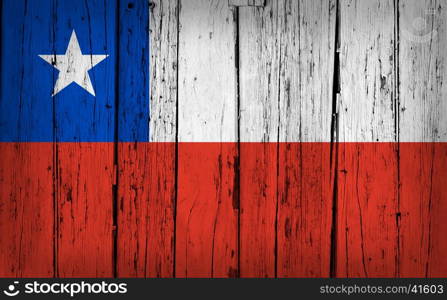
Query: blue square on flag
{"points": [[74, 71]]}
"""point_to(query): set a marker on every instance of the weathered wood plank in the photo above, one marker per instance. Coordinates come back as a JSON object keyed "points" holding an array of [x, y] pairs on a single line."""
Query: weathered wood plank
{"points": [[85, 177], [132, 73], [26, 210], [368, 178], [207, 213], [367, 71], [146, 190], [391, 196], [421, 57], [26, 169], [292, 100], [307, 70], [304, 213], [423, 132], [259, 121], [207, 210], [246, 2], [304, 166], [163, 70], [146, 203], [85, 166]]}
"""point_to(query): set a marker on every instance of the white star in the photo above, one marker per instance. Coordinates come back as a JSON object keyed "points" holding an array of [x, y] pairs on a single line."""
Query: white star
{"points": [[73, 66]]}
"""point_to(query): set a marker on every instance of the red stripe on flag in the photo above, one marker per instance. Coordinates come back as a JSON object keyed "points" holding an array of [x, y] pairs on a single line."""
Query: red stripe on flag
{"points": [[146, 206], [85, 177], [367, 208], [423, 207], [258, 174], [253, 209], [26, 210], [305, 196], [207, 210]]}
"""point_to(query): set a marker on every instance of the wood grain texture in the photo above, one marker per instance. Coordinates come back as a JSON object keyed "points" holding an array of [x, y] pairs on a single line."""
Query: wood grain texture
{"points": [[207, 76], [286, 63], [259, 121], [132, 72], [21, 106], [26, 210], [367, 103], [146, 204], [367, 210], [26, 169], [85, 171], [422, 118], [304, 166], [288, 138], [246, 2], [207, 211], [206, 223], [422, 43], [163, 70], [367, 231], [85, 176], [307, 70], [423, 203], [305, 210], [146, 188]]}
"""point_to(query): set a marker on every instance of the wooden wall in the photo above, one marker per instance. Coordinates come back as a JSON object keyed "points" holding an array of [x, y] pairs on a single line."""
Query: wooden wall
{"points": [[318, 127]]}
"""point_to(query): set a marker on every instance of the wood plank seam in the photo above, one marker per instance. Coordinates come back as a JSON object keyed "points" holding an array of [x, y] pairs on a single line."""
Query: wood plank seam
{"points": [[55, 178], [116, 166], [56, 210], [367, 114], [242, 3], [336, 82], [238, 127], [278, 165], [1, 39], [407, 64], [278, 99], [176, 162], [396, 104]]}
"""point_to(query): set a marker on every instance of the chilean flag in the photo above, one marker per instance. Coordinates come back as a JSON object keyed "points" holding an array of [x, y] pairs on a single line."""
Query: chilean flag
{"points": [[74, 86], [89, 188]]}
